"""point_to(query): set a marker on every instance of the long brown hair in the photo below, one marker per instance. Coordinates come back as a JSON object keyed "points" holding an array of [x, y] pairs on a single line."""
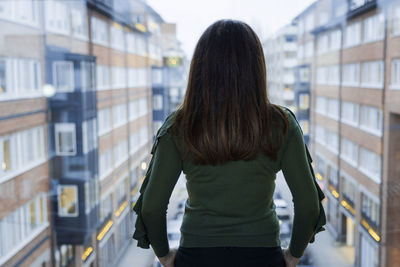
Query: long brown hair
{"points": [[226, 114]]}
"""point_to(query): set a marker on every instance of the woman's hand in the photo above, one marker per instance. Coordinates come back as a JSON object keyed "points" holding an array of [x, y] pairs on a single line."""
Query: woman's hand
{"points": [[289, 259], [168, 260]]}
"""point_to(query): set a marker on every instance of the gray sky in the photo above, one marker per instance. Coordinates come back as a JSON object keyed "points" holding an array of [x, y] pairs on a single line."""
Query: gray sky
{"points": [[194, 16]]}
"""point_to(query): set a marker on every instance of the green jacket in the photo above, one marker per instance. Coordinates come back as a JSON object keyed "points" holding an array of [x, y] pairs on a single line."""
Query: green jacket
{"points": [[230, 204]]}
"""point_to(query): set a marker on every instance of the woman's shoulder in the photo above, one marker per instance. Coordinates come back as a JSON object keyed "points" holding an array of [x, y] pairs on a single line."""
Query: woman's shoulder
{"points": [[293, 123]]}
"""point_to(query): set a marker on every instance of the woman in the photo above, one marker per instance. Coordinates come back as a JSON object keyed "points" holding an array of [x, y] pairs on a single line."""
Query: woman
{"points": [[230, 141]]}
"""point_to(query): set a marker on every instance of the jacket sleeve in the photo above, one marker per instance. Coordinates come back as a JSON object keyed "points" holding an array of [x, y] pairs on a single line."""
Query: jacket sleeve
{"points": [[162, 174], [309, 215]]}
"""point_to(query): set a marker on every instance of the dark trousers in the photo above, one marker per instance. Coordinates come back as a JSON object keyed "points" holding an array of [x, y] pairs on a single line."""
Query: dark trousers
{"points": [[229, 257]]}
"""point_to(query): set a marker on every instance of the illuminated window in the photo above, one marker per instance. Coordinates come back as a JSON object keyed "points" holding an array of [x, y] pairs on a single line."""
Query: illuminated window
{"points": [[304, 102], [65, 139], [68, 201]]}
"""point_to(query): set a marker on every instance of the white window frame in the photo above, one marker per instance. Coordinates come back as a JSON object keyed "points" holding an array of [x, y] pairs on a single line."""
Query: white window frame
{"points": [[368, 68], [376, 177], [70, 66], [65, 127], [395, 75], [76, 214]]}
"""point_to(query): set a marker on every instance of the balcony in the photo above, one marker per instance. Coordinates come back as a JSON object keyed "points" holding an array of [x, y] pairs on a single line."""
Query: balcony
{"points": [[358, 7]]}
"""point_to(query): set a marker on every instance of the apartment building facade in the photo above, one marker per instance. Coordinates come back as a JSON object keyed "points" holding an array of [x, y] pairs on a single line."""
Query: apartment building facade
{"points": [[75, 127], [280, 52], [355, 122]]}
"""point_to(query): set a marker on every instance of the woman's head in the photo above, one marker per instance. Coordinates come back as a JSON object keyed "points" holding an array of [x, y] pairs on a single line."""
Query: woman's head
{"points": [[226, 114]]}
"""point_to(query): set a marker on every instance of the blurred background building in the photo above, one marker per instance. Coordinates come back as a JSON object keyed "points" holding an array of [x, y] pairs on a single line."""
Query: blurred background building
{"points": [[347, 96], [76, 125]]}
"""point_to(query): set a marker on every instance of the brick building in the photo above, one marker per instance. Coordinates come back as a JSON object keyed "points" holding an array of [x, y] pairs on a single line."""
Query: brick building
{"points": [[75, 127], [353, 51]]}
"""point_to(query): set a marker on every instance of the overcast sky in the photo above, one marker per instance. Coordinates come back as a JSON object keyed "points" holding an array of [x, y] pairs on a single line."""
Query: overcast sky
{"points": [[194, 16]]}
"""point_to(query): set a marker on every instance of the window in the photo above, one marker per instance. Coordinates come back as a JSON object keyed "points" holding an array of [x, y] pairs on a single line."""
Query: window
{"points": [[332, 141], [157, 102], [104, 119], [103, 77], [120, 153], [304, 74], [65, 139], [370, 164], [332, 172], [333, 75], [396, 21], [117, 37], [309, 22], [372, 74], [323, 18], [118, 77], [304, 102], [141, 45], [374, 28], [395, 81], [322, 42], [87, 76], [300, 51], [371, 119], [309, 49], [321, 166], [19, 78], [143, 106], [99, 31], [79, 22], [300, 27], [304, 124], [25, 12], [322, 75], [57, 17], [320, 134], [350, 113], [351, 75], [352, 34], [130, 43], [348, 188], [333, 108], [349, 151], [105, 163], [133, 109], [335, 40], [20, 151], [89, 135], [370, 208], [119, 115], [340, 9], [157, 76], [321, 104], [63, 76], [67, 200], [23, 224]]}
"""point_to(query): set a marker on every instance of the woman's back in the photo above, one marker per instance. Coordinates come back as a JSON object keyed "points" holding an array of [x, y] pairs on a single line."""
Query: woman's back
{"points": [[230, 142]]}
